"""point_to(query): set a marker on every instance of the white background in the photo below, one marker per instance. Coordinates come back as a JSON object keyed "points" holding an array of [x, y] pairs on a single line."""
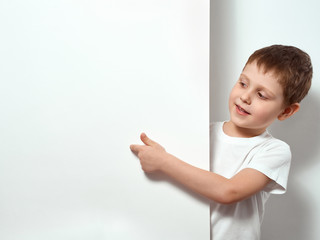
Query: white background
{"points": [[237, 29], [80, 80]]}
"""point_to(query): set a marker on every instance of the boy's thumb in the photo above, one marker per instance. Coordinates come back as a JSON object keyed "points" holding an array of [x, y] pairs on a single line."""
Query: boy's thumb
{"points": [[147, 141]]}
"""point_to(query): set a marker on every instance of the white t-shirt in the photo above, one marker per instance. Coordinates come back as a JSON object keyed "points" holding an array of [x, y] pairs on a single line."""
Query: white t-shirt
{"points": [[229, 155]]}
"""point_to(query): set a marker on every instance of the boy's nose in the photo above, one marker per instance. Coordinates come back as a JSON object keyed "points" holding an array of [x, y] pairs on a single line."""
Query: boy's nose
{"points": [[246, 98]]}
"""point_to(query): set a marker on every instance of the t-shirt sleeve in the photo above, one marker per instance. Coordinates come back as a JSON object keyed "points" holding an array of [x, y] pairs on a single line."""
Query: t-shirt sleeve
{"points": [[274, 161]]}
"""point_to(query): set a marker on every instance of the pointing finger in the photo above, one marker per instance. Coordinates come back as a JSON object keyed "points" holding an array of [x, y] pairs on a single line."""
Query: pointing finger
{"points": [[135, 148]]}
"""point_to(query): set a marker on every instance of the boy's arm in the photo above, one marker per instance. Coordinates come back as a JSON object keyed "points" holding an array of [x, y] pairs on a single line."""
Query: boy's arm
{"points": [[247, 182]]}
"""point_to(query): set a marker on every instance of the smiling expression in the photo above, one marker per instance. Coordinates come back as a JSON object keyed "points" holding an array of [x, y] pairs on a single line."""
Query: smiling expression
{"points": [[255, 101]]}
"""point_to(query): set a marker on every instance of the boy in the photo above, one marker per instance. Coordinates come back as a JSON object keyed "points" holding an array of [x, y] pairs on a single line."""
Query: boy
{"points": [[247, 163]]}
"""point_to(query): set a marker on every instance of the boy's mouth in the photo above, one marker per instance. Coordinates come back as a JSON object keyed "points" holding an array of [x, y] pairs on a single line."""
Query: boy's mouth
{"points": [[241, 111]]}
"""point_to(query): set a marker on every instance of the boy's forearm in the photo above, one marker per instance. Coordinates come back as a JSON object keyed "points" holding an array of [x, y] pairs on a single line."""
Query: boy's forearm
{"points": [[153, 157], [208, 184]]}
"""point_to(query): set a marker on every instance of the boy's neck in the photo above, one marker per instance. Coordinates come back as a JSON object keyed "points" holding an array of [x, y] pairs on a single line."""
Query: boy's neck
{"points": [[232, 130]]}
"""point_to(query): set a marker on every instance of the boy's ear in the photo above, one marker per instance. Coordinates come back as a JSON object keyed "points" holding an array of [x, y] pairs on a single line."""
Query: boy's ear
{"points": [[289, 111]]}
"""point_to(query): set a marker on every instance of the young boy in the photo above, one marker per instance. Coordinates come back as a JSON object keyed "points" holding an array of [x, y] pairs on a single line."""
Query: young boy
{"points": [[247, 163]]}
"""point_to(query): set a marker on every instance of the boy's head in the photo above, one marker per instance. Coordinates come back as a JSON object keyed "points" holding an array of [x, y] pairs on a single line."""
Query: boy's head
{"points": [[273, 82], [290, 65]]}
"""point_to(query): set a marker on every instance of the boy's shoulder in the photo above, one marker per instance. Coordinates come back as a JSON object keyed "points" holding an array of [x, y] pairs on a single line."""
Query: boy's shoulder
{"points": [[276, 144]]}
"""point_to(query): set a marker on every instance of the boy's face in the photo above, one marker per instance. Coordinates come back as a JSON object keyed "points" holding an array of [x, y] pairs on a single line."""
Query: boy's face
{"points": [[256, 100]]}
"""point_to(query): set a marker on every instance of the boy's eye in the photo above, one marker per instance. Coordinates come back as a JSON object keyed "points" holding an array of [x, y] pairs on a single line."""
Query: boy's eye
{"points": [[261, 95], [242, 84]]}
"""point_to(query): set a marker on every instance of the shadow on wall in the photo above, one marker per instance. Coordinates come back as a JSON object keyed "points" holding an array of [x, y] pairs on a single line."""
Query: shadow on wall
{"points": [[289, 216], [222, 51]]}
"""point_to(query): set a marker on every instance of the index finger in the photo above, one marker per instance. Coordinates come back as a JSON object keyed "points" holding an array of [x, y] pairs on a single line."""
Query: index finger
{"points": [[135, 148]]}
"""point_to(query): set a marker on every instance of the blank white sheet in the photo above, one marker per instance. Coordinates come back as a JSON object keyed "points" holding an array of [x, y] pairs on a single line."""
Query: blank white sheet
{"points": [[80, 80]]}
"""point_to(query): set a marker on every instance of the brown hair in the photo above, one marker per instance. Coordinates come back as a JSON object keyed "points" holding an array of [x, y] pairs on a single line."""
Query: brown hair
{"points": [[291, 65]]}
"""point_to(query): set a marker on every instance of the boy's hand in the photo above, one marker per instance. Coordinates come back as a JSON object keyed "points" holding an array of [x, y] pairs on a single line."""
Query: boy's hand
{"points": [[152, 155]]}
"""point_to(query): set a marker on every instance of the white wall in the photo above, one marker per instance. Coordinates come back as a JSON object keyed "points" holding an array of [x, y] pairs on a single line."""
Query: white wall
{"points": [[237, 29], [80, 80]]}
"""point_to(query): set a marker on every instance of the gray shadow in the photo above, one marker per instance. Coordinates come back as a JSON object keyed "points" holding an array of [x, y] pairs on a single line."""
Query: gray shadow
{"points": [[222, 49], [289, 216]]}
